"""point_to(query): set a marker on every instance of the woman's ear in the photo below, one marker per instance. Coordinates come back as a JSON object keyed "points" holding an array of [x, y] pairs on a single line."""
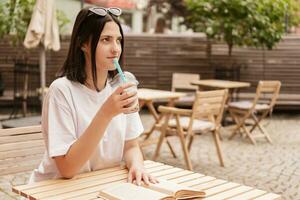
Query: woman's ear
{"points": [[84, 47]]}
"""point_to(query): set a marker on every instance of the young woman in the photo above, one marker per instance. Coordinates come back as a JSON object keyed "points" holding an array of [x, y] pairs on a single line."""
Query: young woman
{"points": [[83, 120]]}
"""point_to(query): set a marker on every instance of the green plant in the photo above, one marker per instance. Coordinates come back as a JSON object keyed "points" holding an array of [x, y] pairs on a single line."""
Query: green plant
{"points": [[259, 23], [15, 17], [62, 20]]}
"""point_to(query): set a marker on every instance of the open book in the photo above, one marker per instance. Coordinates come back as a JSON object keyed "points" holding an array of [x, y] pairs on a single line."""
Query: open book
{"points": [[164, 190]]}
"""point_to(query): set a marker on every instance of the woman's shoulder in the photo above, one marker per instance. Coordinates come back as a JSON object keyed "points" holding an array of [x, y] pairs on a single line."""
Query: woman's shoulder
{"points": [[60, 84]]}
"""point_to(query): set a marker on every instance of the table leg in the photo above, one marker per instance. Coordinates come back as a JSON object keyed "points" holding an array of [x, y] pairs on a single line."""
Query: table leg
{"points": [[158, 118], [153, 112], [141, 104]]}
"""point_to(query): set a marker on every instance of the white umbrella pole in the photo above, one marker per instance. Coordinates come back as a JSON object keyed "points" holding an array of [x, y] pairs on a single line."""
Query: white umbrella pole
{"points": [[42, 71]]}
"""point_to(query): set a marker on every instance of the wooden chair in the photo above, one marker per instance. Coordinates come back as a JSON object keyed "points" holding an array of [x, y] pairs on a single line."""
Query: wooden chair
{"points": [[25, 94], [205, 116], [21, 149], [182, 82], [266, 95]]}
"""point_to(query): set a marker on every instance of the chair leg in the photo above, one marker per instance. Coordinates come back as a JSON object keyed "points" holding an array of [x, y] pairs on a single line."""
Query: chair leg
{"points": [[237, 121], [257, 120], [156, 117], [171, 148], [217, 143], [255, 123], [183, 144], [185, 151], [24, 108], [238, 130], [190, 142], [220, 136], [261, 128], [264, 131], [162, 137], [239, 124], [248, 134]]}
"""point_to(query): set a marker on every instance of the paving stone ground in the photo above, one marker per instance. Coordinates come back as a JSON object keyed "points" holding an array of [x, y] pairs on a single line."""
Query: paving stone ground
{"points": [[274, 168]]}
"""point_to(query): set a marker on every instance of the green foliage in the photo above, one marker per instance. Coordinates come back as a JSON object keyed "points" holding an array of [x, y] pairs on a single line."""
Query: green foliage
{"points": [[62, 20], [259, 23], [15, 17]]}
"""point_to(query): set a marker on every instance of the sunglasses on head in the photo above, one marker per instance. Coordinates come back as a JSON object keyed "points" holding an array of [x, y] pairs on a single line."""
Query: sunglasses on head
{"points": [[104, 11]]}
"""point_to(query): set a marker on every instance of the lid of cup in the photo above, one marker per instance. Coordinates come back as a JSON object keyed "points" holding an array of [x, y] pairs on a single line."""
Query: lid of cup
{"points": [[129, 76]]}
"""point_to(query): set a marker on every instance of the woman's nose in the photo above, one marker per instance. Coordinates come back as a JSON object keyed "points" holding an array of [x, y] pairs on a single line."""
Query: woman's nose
{"points": [[116, 48]]}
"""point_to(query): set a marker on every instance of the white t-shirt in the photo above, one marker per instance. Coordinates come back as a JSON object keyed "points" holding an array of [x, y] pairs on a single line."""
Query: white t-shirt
{"points": [[68, 109]]}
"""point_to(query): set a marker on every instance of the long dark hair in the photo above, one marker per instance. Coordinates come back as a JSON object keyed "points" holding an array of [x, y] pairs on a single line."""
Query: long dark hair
{"points": [[88, 26]]}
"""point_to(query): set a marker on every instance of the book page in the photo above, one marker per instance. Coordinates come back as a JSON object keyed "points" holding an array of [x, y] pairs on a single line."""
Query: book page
{"points": [[129, 191], [175, 190], [167, 187]]}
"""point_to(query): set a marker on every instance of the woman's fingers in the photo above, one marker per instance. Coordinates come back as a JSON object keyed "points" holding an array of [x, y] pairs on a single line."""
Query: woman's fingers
{"points": [[146, 179], [122, 88], [126, 94], [153, 180], [127, 102], [138, 177], [130, 178], [131, 109], [123, 99]]}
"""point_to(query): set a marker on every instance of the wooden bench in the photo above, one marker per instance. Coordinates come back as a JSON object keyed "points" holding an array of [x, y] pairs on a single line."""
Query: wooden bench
{"points": [[87, 185], [21, 149]]}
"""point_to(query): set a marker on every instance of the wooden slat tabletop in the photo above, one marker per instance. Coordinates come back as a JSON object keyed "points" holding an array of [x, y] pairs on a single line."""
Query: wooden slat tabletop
{"points": [[21, 149], [151, 94], [86, 186], [223, 84], [21, 131]]}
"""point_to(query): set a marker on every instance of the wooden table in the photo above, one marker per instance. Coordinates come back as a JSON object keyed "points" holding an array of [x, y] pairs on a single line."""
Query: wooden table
{"points": [[86, 186], [232, 86], [148, 96]]}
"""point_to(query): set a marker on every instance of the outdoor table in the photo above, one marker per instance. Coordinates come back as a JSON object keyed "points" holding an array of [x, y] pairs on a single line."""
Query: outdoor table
{"points": [[232, 86], [148, 96], [87, 185]]}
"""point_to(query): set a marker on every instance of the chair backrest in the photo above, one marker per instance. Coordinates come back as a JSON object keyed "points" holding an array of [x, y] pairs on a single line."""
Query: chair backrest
{"points": [[182, 81], [210, 104], [268, 92], [26, 78]]}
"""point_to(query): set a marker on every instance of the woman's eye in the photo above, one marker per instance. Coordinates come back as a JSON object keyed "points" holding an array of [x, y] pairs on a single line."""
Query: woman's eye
{"points": [[105, 39]]}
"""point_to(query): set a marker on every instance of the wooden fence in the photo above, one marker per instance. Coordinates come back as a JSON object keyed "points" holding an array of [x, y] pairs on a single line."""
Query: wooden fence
{"points": [[153, 59]]}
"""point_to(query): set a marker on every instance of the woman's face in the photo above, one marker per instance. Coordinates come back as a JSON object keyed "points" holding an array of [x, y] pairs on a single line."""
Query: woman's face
{"points": [[109, 47]]}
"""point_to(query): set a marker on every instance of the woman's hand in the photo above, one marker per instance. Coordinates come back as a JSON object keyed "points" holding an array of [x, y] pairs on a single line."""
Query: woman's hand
{"points": [[137, 174], [120, 101]]}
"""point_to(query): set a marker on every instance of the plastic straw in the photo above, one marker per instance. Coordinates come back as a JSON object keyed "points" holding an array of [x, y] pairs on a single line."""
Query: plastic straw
{"points": [[116, 63]]}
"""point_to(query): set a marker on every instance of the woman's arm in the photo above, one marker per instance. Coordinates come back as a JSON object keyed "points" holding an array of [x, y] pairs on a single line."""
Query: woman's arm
{"points": [[80, 152], [135, 163]]}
